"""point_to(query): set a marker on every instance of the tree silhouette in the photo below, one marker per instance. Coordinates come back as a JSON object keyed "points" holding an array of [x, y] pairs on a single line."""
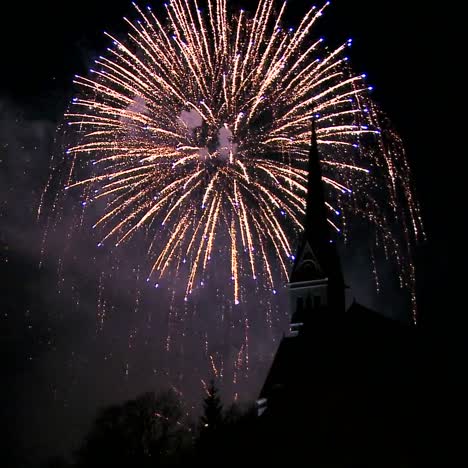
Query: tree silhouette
{"points": [[56, 462], [144, 432], [212, 418], [211, 423]]}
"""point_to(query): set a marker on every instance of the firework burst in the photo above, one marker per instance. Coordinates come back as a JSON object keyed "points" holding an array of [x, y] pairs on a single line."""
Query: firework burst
{"points": [[196, 130]]}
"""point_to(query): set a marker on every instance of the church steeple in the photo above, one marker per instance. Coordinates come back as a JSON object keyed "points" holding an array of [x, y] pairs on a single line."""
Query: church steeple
{"points": [[316, 224], [316, 278], [317, 296]]}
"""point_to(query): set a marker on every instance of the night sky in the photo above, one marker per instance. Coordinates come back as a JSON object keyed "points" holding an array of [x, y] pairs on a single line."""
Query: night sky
{"points": [[44, 44]]}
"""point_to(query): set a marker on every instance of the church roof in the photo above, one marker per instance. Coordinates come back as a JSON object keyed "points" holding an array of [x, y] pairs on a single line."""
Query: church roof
{"points": [[361, 337]]}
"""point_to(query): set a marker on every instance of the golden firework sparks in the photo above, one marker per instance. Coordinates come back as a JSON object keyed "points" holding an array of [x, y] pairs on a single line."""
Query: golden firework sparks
{"points": [[197, 129]]}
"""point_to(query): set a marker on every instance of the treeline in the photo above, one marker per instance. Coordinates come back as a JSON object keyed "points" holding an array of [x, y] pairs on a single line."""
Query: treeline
{"points": [[156, 430], [361, 423]]}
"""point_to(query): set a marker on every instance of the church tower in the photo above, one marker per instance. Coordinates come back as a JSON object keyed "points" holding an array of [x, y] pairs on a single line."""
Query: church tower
{"points": [[316, 292], [337, 390], [316, 281]]}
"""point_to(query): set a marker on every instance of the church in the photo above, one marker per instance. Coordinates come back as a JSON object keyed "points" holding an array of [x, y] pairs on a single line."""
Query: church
{"points": [[344, 385]]}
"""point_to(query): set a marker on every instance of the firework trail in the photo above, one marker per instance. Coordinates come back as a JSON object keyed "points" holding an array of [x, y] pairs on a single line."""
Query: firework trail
{"points": [[194, 131]]}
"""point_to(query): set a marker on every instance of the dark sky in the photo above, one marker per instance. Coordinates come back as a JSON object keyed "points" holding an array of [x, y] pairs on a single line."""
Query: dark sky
{"points": [[393, 44], [45, 43]]}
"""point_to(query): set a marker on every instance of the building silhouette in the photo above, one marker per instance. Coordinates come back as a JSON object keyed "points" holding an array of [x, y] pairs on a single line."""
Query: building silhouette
{"points": [[347, 386]]}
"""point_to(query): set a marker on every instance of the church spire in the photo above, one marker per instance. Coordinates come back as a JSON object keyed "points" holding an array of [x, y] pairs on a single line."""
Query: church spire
{"points": [[312, 256], [316, 224], [316, 275]]}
